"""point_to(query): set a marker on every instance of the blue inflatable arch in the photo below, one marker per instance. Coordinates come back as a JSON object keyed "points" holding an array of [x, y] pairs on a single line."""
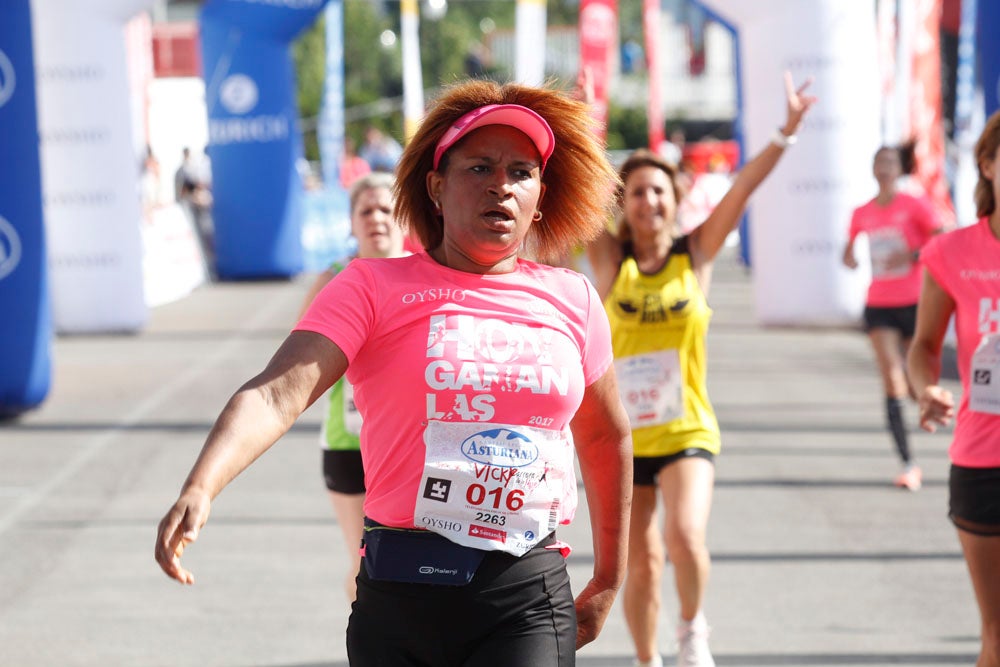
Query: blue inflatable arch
{"points": [[26, 332], [254, 139]]}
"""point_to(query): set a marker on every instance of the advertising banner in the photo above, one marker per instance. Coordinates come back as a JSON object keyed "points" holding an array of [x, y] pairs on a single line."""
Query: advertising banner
{"points": [[799, 216], [988, 48], [254, 138], [330, 129], [25, 355], [90, 173], [926, 115], [598, 40], [968, 117]]}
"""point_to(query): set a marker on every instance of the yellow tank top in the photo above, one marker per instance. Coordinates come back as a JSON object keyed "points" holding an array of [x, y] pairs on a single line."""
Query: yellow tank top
{"points": [[658, 327]]}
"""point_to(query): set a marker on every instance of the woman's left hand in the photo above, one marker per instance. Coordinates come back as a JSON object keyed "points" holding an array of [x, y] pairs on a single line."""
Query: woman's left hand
{"points": [[937, 407], [592, 608], [798, 104]]}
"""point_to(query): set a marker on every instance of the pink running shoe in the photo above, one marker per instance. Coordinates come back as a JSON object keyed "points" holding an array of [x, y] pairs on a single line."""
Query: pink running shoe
{"points": [[910, 479]]}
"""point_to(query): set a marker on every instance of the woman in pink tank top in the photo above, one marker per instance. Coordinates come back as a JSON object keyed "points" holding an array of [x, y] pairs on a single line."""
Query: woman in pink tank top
{"points": [[963, 279]]}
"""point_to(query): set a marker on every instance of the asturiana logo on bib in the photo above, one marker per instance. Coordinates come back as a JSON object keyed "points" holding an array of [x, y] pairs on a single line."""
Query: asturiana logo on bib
{"points": [[7, 79], [500, 447]]}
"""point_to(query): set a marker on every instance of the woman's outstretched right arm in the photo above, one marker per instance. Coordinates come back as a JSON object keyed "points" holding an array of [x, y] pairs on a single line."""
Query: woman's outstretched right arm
{"points": [[256, 416]]}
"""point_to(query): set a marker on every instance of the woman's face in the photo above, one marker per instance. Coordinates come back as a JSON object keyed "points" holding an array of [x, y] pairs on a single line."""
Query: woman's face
{"points": [[649, 203], [488, 193], [887, 166], [372, 224]]}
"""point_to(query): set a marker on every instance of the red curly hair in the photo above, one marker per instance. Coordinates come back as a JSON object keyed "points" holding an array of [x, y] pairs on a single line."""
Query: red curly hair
{"points": [[580, 181]]}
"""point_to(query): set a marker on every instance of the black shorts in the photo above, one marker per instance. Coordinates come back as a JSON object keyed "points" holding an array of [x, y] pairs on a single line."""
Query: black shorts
{"points": [[515, 611], [645, 469], [901, 318], [343, 471], [974, 498]]}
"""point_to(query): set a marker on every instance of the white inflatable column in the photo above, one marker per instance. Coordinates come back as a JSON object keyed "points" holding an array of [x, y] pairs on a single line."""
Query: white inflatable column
{"points": [[800, 215], [90, 174]]}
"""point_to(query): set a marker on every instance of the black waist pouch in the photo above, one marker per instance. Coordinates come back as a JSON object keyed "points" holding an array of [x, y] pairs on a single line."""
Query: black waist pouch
{"points": [[417, 556]]}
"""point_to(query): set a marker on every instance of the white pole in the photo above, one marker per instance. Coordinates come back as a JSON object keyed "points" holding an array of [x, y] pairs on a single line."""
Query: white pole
{"points": [[413, 81], [529, 42]]}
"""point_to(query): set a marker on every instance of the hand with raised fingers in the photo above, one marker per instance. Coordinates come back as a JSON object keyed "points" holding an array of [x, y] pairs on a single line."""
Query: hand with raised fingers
{"points": [[798, 103], [179, 528]]}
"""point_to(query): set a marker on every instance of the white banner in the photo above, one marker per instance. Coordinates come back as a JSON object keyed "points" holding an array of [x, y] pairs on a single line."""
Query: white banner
{"points": [[173, 264], [90, 174], [800, 215]]}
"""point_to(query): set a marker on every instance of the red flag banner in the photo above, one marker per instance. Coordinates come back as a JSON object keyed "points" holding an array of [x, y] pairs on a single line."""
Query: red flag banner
{"points": [[926, 124], [598, 36], [654, 110]]}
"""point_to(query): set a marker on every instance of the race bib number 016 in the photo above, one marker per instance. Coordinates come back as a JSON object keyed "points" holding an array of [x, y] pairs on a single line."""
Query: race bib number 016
{"points": [[492, 486]]}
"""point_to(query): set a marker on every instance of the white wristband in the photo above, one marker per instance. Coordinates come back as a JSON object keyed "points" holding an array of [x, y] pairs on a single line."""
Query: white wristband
{"points": [[782, 140]]}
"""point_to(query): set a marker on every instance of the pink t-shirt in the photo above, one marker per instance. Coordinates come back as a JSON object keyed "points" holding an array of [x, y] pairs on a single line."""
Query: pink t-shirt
{"points": [[966, 264], [427, 343], [905, 224]]}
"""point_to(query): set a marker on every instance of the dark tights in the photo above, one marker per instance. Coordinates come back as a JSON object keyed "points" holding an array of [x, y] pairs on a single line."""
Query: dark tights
{"points": [[894, 414]]}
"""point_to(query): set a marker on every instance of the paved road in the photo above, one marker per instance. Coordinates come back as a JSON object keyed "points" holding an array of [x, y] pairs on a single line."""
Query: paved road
{"points": [[818, 561]]}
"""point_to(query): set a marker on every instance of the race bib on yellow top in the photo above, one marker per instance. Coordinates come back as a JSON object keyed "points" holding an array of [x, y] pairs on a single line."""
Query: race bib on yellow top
{"points": [[495, 487], [884, 244], [352, 416], [650, 387], [984, 385]]}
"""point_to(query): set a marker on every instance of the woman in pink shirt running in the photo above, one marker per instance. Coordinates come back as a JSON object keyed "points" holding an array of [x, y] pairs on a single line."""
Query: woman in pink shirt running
{"points": [[480, 376], [963, 279], [897, 226]]}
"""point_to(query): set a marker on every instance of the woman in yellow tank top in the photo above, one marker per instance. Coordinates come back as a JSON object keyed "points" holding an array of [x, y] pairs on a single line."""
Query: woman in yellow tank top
{"points": [[654, 283]]}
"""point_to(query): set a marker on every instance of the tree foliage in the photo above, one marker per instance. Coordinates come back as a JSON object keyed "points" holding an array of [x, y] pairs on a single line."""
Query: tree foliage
{"points": [[373, 72]]}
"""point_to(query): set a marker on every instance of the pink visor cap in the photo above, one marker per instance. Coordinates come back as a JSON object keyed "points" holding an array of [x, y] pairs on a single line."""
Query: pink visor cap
{"points": [[514, 115]]}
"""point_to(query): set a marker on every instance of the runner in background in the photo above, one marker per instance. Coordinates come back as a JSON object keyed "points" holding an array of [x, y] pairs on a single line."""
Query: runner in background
{"points": [[654, 281], [377, 235], [897, 225]]}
